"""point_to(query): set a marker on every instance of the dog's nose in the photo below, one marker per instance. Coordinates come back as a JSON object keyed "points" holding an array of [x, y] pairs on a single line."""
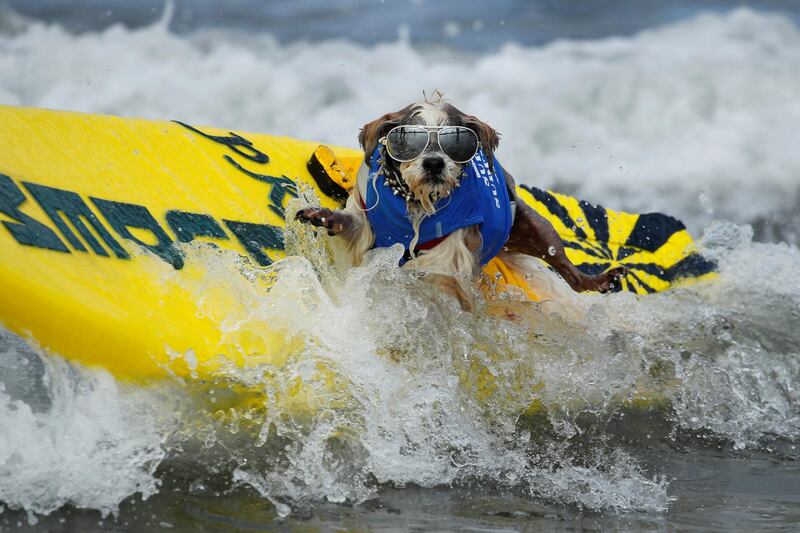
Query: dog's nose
{"points": [[434, 164]]}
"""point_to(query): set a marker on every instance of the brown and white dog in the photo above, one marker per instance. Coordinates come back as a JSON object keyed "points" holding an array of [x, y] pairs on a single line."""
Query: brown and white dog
{"points": [[454, 261]]}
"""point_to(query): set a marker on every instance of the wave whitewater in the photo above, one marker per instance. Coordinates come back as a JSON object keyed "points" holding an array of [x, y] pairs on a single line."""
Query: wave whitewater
{"points": [[406, 408]]}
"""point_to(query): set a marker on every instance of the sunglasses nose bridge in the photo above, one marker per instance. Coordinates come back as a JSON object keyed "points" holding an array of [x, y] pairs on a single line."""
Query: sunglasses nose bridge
{"points": [[433, 140]]}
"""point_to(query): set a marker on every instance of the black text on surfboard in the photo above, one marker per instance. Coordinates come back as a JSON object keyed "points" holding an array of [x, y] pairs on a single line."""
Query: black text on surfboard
{"points": [[63, 206], [280, 186]]}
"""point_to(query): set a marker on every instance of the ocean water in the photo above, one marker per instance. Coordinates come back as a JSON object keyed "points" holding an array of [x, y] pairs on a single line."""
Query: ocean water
{"points": [[689, 109]]}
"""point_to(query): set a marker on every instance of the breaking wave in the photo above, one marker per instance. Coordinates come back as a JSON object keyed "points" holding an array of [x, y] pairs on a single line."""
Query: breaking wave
{"points": [[387, 382]]}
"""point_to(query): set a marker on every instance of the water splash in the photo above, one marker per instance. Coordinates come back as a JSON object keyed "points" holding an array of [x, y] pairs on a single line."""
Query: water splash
{"points": [[383, 381], [73, 437]]}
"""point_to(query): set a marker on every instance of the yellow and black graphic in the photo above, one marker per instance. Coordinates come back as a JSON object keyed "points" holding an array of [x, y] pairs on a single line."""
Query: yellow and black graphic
{"points": [[656, 248]]}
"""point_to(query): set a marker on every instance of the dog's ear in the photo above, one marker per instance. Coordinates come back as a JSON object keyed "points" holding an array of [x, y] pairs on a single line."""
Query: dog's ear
{"points": [[487, 135], [372, 131]]}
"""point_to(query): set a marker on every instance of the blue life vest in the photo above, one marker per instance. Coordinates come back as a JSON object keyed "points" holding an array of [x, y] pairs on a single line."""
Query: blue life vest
{"points": [[481, 199]]}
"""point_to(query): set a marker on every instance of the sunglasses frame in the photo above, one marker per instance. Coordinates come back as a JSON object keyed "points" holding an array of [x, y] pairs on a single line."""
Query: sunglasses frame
{"points": [[429, 130]]}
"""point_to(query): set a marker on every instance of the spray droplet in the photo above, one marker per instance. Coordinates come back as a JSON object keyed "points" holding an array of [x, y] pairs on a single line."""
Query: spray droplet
{"points": [[282, 510], [551, 250]]}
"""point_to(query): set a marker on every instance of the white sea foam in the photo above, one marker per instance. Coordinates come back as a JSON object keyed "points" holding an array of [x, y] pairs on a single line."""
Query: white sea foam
{"points": [[392, 374], [71, 436], [650, 122], [396, 392]]}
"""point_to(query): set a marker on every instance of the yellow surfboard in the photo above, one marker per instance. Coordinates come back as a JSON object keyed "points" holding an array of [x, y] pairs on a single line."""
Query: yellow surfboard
{"points": [[93, 208]]}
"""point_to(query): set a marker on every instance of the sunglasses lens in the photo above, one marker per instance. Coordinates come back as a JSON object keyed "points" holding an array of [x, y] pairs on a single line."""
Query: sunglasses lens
{"points": [[459, 143], [406, 142]]}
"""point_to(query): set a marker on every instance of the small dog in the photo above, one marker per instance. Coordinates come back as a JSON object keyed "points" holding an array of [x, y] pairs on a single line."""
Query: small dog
{"points": [[430, 182]]}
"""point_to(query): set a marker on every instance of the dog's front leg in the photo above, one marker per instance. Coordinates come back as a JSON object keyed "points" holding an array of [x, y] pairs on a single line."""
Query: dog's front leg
{"points": [[336, 222], [532, 234], [349, 223]]}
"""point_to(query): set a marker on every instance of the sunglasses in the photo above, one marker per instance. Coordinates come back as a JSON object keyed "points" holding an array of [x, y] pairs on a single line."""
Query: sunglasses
{"points": [[406, 143]]}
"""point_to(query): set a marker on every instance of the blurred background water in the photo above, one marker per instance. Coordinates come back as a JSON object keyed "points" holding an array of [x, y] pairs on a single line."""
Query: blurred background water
{"points": [[689, 108], [474, 26]]}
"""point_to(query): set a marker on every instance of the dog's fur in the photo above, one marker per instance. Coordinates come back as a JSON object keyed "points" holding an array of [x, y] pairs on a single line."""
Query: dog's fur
{"points": [[455, 261]]}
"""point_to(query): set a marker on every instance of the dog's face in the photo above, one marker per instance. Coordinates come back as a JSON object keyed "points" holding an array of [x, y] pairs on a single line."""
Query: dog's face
{"points": [[433, 174]]}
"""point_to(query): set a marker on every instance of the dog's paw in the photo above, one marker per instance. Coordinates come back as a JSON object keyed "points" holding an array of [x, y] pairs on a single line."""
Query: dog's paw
{"points": [[611, 280], [608, 281], [334, 221]]}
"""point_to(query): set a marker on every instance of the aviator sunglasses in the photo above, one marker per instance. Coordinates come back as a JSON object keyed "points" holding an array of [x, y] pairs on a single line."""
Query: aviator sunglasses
{"points": [[406, 143]]}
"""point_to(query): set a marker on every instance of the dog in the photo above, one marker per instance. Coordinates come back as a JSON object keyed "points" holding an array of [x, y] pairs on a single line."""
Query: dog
{"points": [[430, 181]]}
